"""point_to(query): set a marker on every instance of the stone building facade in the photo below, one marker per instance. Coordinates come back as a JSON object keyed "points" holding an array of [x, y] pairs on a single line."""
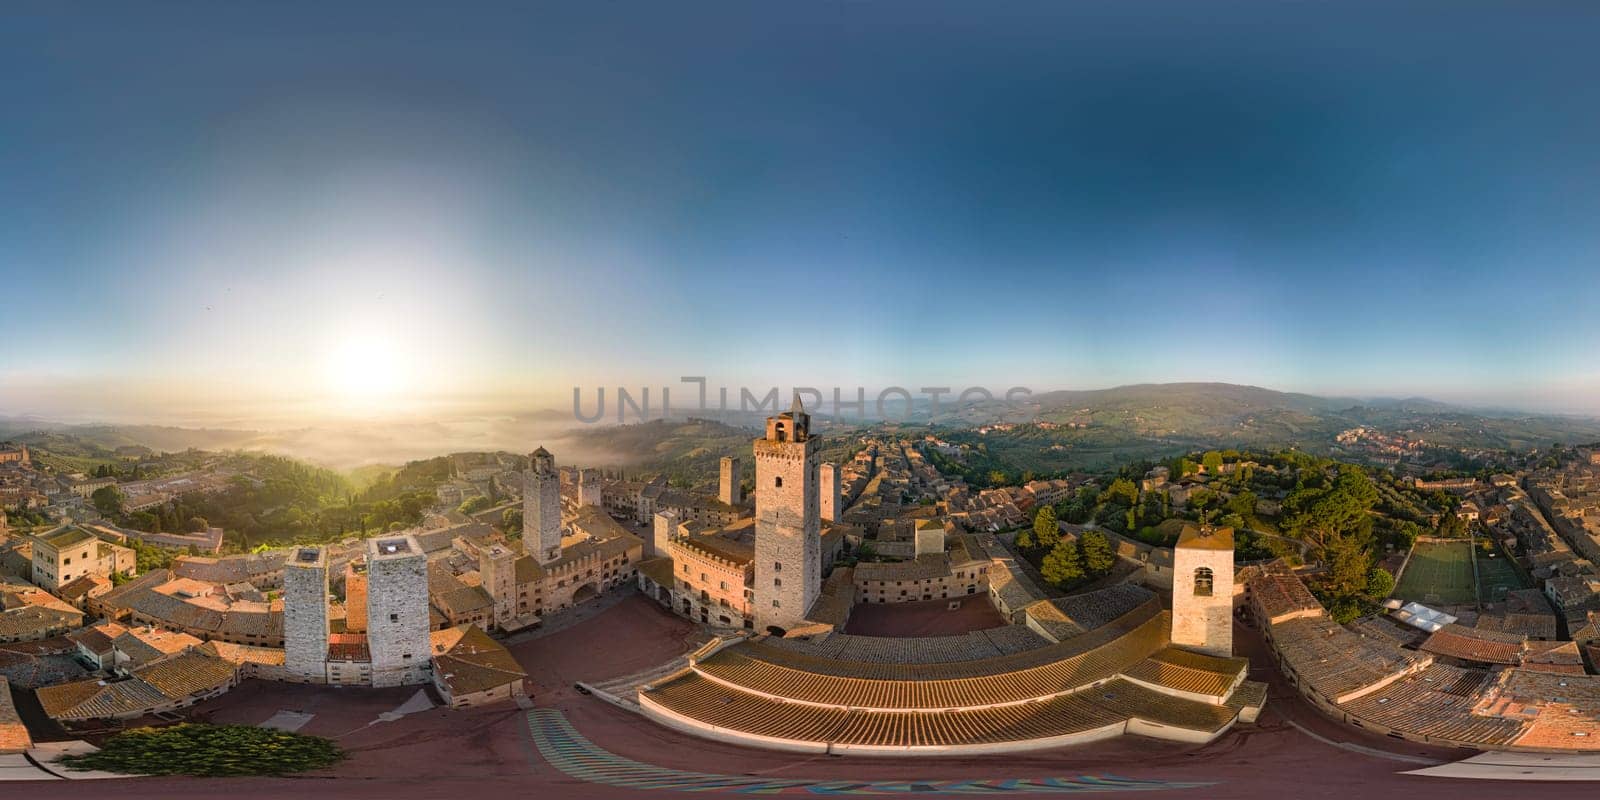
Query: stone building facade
{"points": [[1202, 590], [541, 508], [603, 555], [397, 610], [305, 614], [788, 538], [711, 581]]}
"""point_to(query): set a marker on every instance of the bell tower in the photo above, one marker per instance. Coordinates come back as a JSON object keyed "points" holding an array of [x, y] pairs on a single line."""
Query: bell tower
{"points": [[1202, 590], [788, 568]]}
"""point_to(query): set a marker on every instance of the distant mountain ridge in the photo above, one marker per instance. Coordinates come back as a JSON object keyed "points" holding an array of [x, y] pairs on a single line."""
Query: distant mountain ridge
{"points": [[1095, 427]]}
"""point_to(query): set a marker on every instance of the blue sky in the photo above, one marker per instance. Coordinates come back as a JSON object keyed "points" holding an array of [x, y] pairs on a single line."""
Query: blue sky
{"points": [[204, 206]]}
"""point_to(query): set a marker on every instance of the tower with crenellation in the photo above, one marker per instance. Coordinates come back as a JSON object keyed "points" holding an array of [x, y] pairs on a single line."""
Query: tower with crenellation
{"points": [[788, 546]]}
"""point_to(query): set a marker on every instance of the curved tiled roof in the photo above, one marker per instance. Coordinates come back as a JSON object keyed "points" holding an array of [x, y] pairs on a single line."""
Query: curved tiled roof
{"points": [[970, 646], [1109, 705], [1183, 671], [1437, 703], [1047, 671]]}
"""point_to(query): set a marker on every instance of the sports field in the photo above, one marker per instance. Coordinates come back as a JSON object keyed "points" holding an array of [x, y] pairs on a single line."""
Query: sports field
{"points": [[1438, 573], [1496, 576]]}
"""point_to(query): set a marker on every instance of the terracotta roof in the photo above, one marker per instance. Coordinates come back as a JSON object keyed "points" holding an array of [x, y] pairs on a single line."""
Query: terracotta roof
{"points": [[467, 661], [13, 734], [658, 570], [1066, 617], [1476, 644], [98, 638], [348, 647], [150, 688]]}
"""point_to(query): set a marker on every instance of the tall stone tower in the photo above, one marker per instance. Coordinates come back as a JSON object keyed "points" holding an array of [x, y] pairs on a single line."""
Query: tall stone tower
{"points": [[830, 492], [497, 567], [1202, 590], [397, 610], [305, 615], [589, 487], [730, 490], [541, 508], [664, 525], [788, 573]]}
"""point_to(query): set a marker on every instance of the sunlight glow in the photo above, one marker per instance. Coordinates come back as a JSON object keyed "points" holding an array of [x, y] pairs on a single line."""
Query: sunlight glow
{"points": [[366, 370]]}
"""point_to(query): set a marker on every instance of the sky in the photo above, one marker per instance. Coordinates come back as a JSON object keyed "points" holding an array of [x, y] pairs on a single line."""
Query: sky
{"points": [[275, 210]]}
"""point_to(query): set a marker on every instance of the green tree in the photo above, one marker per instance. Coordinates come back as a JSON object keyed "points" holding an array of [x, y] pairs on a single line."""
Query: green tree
{"points": [[511, 521], [107, 500], [1063, 565], [1026, 540], [1098, 557], [196, 524], [1452, 526], [1212, 461], [208, 750], [473, 505], [1243, 504], [1379, 583], [1122, 492], [1046, 531]]}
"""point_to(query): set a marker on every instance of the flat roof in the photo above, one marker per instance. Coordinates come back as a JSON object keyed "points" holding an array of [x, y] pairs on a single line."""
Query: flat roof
{"points": [[65, 537]]}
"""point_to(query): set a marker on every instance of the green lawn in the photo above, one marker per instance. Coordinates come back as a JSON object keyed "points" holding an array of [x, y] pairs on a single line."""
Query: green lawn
{"points": [[1438, 573], [1496, 576]]}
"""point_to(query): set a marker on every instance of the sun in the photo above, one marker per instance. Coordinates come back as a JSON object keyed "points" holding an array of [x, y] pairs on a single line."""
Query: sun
{"points": [[366, 370]]}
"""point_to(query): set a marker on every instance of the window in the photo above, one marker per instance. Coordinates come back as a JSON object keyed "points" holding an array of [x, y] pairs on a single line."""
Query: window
{"points": [[777, 582], [777, 566], [778, 482], [1202, 582], [775, 604], [394, 617]]}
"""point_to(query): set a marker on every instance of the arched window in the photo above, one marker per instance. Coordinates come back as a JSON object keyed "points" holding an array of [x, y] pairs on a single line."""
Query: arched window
{"points": [[1202, 582]]}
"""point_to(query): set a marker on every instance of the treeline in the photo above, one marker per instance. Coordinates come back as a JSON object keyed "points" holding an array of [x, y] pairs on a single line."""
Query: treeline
{"points": [[1064, 562], [282, 501]]}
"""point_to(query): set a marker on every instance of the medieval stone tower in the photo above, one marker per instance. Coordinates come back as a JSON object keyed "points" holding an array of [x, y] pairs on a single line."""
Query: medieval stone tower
{"points": [[305, 615], [788, 569], [497, 568], [397, 610], [1202, 590], [663, 527], [830, 492], [541, 508], [729, 490], [589, 487]]}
